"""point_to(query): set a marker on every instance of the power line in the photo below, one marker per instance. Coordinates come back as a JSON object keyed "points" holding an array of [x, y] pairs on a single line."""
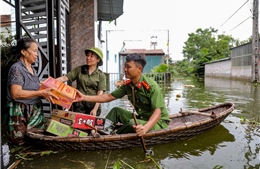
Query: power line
{"points": [[241, 23], [233, 14]]}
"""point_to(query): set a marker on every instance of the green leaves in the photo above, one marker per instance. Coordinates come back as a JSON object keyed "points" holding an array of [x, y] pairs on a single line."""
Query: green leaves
{"points": [[118, 164], [121, 164], [160, 68], [204, 46]]}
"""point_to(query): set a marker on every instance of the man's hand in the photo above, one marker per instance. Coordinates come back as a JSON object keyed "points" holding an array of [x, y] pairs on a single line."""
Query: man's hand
{"points": [[140, 130], [79, 96]]}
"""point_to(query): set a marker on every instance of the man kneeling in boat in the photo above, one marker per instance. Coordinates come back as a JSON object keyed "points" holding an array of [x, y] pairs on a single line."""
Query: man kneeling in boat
{"points": [[143, 92]]}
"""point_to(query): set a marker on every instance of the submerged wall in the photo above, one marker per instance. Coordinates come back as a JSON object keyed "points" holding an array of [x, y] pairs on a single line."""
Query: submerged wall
{"points": [[218, 69], [224, 69]]}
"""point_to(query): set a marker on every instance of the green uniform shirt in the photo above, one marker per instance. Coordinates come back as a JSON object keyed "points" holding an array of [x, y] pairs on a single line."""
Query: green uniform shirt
{"points": [[88, 84], [146, 100]]}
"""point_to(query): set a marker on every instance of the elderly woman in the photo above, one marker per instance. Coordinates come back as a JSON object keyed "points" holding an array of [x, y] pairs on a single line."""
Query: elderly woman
{"points": [[90, 81], [23, 94]]}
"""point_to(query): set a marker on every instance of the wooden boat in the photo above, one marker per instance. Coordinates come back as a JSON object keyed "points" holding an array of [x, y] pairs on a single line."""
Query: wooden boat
{"points": [[183, 125]]}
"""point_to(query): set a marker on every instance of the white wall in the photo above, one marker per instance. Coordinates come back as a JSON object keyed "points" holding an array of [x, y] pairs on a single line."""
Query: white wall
{"points": [[218, 69]]}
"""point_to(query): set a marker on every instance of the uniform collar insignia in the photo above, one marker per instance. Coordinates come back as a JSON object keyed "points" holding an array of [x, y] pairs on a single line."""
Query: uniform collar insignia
{"points": [[139, 84], [146, 85]]}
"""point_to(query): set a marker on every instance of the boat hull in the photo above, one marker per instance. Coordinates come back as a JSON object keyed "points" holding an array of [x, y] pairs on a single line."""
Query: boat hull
{"points": [[181, 127]]}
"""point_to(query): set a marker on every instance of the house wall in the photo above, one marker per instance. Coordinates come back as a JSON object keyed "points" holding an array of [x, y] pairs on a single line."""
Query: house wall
{"points": [[82, 30], [151, 62], [5, 25]]}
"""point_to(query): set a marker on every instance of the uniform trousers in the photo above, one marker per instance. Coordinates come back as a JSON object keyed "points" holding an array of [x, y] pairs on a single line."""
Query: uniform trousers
{"points": [[125, 117]]}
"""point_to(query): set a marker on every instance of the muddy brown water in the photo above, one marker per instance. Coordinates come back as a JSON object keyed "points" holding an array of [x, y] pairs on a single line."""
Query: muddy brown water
{"points": [[231, 145]]}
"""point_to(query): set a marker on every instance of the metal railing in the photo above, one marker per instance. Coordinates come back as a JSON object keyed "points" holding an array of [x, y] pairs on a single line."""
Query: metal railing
{"points": [[112, 78], [161, 78]]}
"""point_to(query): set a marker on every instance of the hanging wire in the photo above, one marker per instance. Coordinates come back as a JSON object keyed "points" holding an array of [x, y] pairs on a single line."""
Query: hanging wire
{"points": [[241, 23], [233, 14]]}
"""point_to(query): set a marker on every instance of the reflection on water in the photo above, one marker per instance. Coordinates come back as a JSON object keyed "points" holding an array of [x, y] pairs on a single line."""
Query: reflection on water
{"points": [[245, 95], [231, 144], [210, 141]]}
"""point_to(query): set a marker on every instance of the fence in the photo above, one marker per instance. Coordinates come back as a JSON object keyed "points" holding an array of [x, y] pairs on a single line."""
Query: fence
{"points": [[112, 78]]}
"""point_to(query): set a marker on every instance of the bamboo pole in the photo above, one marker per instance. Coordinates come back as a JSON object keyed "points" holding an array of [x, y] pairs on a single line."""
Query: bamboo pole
{"points": [[213, 115], [18, 161], [94, 128]]}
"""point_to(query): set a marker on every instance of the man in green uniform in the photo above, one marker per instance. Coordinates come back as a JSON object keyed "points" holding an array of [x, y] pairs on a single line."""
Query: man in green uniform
{"points": [[144, 94]]}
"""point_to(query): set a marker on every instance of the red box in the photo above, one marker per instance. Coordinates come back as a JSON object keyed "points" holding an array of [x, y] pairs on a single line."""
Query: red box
{"points": [[73, 119], [65, 93]]}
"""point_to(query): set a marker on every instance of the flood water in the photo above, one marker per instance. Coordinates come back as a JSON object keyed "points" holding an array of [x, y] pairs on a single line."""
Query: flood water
{"points": [[231, 145]]}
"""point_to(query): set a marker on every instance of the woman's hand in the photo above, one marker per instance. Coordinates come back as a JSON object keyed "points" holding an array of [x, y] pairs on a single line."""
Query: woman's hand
{"points": [[48, 95], [93, 112]]}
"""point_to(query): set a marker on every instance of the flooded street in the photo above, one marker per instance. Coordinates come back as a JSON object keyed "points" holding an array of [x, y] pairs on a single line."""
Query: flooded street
{"points": [[231, 145]]}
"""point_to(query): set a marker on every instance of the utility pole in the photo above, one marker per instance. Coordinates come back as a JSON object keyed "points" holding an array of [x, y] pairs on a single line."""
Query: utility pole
{"points": [[255, 44]]}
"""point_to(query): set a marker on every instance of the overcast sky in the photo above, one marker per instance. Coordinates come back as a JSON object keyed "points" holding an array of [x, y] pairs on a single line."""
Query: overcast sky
{"points": [[178, 17], [181, 17]]}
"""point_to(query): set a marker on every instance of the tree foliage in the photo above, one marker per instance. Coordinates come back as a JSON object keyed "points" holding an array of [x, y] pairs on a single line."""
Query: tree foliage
{"points": [[203, 46]]}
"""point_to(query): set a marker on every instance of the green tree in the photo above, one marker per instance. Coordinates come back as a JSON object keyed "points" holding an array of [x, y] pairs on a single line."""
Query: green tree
{"points": [[184, 67], [204, 46]]}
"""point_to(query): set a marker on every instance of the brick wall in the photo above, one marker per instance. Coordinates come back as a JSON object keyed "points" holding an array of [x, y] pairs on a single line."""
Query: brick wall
{"points": [[5, 21], [81, 30]]}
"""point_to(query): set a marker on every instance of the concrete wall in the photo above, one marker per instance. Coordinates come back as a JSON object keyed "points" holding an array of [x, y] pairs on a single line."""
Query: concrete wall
{"points": [[241, 73], [225, 69], [218, 69]]}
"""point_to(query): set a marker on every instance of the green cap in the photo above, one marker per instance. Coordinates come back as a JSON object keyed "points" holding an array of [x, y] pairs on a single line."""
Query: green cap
{"points": [[98, 52]]}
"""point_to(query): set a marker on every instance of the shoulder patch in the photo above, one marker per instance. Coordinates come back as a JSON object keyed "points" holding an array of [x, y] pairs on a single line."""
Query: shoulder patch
{"points": [[127, 82], [146, 85]]}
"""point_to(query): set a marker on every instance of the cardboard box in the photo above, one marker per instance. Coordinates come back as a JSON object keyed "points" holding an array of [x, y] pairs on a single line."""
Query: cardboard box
{"points": [[102, 123], [65, 92], [63, 130], [75, 120]]}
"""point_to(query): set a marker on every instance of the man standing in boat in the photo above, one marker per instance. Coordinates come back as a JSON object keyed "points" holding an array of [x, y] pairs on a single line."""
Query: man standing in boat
{"points": [[143, 92]]}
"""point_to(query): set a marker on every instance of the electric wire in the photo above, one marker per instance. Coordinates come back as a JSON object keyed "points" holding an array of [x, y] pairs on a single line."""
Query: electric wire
{"points": [[233, 14], [241, 23]]}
